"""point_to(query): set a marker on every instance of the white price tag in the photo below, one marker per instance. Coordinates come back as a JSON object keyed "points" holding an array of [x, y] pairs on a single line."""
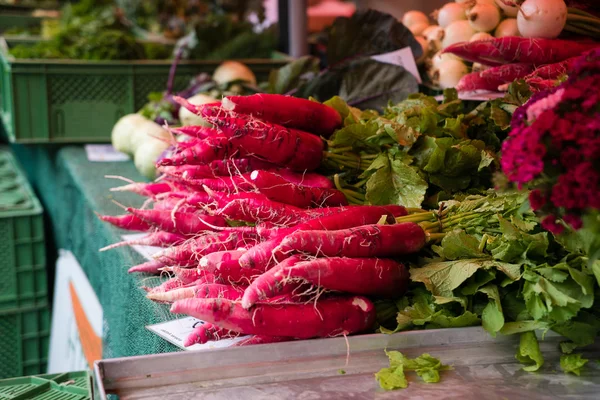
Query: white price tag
{"points": [[146, 251], [177, 331], [404, 58], [104, 153]]}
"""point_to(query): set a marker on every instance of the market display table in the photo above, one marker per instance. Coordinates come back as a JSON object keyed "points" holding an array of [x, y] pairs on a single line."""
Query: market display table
{"points": [[72, 189]]}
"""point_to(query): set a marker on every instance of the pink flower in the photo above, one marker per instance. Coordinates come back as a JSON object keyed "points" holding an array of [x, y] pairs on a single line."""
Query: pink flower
{"points": [[550, 224], [536, 199], [573, 220], [543, 104]]}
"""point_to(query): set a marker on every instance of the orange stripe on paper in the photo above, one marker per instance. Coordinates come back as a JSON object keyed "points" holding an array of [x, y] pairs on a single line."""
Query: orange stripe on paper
{"points": [[90, 342]]}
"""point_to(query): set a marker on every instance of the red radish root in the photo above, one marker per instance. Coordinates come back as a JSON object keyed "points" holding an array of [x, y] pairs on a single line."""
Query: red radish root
{"points": [[363, 241], [367, 276], [328, 317]]}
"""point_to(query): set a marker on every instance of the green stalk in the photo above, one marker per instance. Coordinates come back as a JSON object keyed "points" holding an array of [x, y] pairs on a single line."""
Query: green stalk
{"points": [[581, 18], [360, 183], [338, 150], [418, 217], [584, 26], [483, 242], [577, 11], [431, 237]]}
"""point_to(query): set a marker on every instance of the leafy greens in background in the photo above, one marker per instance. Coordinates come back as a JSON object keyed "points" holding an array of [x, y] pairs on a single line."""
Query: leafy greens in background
{"points": [[349, 71]]}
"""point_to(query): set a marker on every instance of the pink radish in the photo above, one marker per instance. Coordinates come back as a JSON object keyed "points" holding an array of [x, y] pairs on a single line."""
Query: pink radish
{"points": [[309, 179], [189, 253], [218, 291], [512, 49], [327, 317], [288, 111], [259, 256], [128, 222], [205, 333], [491, 78], [208, 150], [366, 276], [254, 210], [289, 148], [159, 239], [227, 167], [363, 241], [277, 188], [147, 189], [178, 222], [201, 132], [149, 267], [226, 266]]}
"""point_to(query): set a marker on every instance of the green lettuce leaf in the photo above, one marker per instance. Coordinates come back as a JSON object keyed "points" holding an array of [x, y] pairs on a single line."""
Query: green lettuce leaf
{"points": [[492, 317], [426, 366], [392, 378], [572, 363], [394, 182], [529, 352], [458, 244], [442, 278]]}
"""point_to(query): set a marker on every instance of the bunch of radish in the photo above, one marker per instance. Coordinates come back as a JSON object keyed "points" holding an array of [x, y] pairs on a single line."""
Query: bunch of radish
{"points": [[256, 241], [464, 21], [539, 62]]}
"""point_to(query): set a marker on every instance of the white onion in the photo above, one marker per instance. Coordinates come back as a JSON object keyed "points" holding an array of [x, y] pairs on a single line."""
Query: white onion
{"points": [[508, 27], [450, 13], [440, 57], [123, 130], [456, 32], [186, 117], [411, 18], [509, 11], [417, 29], [480, 36], [447, 74], [230, 71], [542, 18], [434, 32], [484, 17], [146, 155]]}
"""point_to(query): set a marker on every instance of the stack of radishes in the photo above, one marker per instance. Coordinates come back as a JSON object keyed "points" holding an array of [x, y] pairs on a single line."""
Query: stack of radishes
{"points": [[496, 23], [257, 243]]}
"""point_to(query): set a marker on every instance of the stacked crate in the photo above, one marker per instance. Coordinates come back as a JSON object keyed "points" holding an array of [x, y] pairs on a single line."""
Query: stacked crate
{"points": [[24, 306]]}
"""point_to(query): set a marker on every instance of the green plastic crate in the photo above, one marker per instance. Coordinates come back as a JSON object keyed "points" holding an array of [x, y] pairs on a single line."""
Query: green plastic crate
{"points": [[24, 343], [66, 386], [22, 246], [10, 20], [73, 101]]}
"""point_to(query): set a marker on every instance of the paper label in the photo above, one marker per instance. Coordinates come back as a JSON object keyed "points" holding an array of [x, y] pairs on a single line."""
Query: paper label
{"points": [[104, 153], [177, 331], [146, 251], [77, 319], [404, 58]]}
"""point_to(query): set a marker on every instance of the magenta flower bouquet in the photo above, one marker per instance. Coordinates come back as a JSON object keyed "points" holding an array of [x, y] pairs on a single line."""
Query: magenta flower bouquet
{"points": [[554, 150]]}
